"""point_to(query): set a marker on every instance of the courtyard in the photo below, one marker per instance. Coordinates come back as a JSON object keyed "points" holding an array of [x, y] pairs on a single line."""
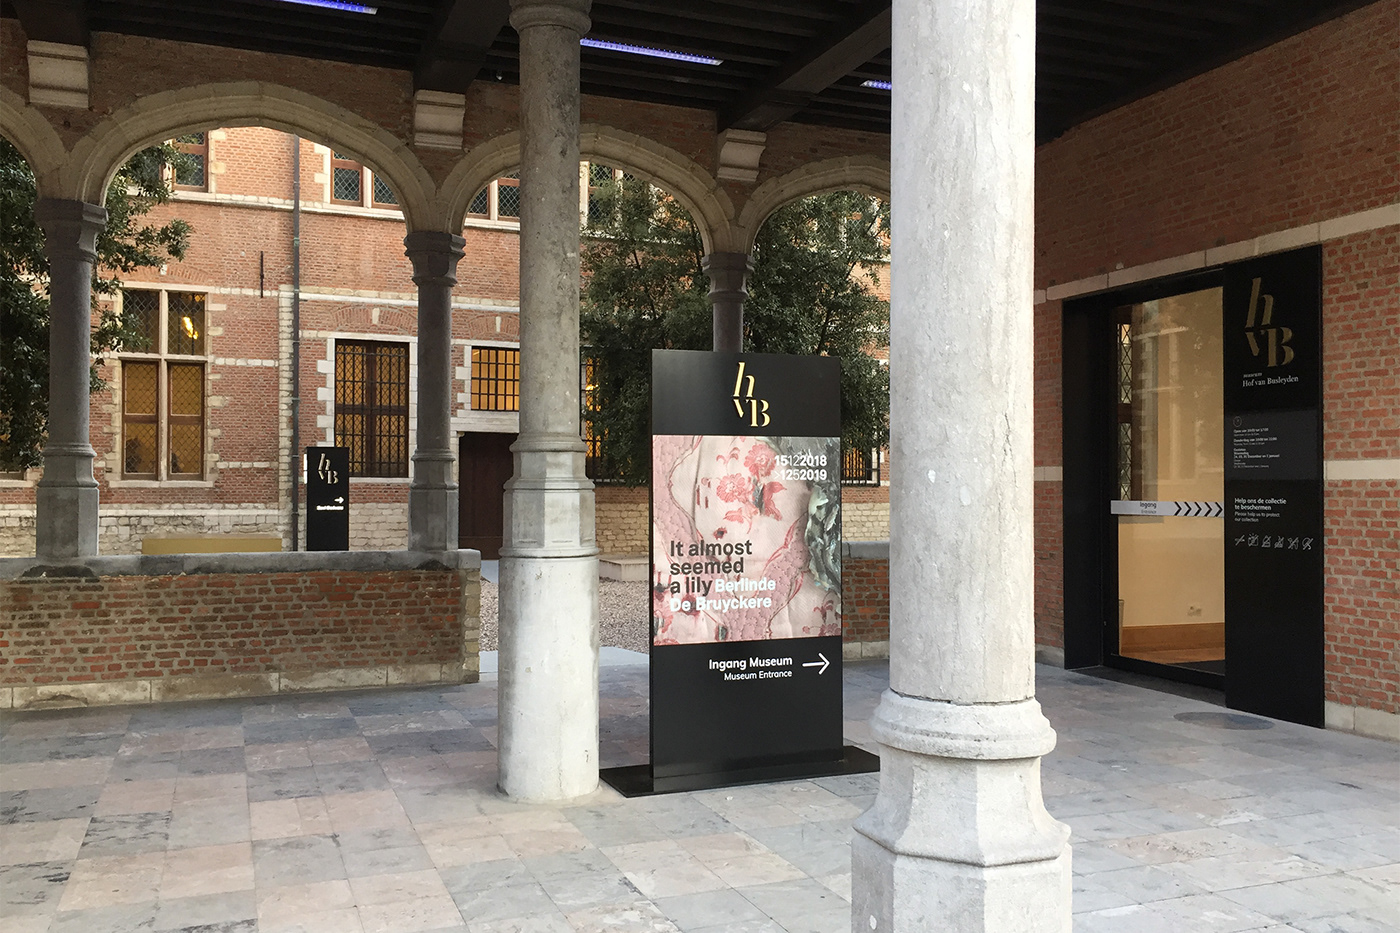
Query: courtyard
{"points": [[378, 812]]}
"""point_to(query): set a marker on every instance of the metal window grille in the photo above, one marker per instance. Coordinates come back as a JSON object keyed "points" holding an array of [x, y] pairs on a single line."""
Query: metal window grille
{"points": [[345, 179], [383, 194], [860, 467], [495, 379], [191, 171], [481, 204], [371, 406], [508, 196], [597, 466]]}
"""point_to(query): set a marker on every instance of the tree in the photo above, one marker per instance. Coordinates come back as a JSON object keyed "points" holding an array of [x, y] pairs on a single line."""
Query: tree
{"points": [[815, 264], [125, 245]]}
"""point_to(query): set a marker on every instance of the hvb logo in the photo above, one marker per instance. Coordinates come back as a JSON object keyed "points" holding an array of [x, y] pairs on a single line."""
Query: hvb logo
{"points": [[743, 399], [326, 472], [1275, 339]]}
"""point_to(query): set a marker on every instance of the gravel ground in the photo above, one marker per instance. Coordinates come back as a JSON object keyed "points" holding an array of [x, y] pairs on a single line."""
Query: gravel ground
{"points": [[622, 615]]}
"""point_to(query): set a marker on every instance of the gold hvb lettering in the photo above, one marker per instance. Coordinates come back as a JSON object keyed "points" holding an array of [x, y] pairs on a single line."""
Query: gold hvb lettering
{"points": [[743, 393], [1274, 339]]}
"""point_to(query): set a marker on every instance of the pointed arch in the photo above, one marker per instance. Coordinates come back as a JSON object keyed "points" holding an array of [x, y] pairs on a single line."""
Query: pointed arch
{"points": [[870, 174], [99, 154]]}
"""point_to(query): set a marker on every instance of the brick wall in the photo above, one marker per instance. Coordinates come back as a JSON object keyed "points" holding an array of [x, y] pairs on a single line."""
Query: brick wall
{"points": [[1296, 134], [118, 620], [865, 604], [622, 515]]}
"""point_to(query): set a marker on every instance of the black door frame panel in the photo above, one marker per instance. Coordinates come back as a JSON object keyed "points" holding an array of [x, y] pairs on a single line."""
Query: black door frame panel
{"points": [[1090, 476]]}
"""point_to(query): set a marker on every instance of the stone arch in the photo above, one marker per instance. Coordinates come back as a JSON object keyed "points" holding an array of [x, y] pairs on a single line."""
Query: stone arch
{"points": [[249, 103], [35, 139], [869, 174], [682, 177]]}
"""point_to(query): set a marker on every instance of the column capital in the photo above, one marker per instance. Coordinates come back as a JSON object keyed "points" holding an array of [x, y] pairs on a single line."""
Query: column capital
{"points": [[571, 14], [722, 265], [70, 227], [434, 255]]}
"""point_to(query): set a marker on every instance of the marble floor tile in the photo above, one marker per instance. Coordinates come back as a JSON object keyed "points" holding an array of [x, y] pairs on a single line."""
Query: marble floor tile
{"points": [[41, 841], [379, 811]]}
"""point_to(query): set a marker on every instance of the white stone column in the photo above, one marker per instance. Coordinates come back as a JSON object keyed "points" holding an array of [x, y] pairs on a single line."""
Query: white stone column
{"points": [[958, 839], [432, 496], [548, 691], [729, 278], [66, 499]]}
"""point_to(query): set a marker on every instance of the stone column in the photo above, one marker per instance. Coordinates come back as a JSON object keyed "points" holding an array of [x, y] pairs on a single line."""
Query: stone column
{"points": [[729, 278], [549, 562], [66, 499], [958, 839], [432, 497]]}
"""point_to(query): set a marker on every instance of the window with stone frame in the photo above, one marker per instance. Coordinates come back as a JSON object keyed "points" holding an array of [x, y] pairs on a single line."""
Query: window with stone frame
{"points": [[371, 406], [192, 171], [347, 180], [162, 384]]}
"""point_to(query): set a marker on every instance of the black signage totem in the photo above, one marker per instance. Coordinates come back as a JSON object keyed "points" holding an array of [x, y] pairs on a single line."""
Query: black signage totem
{"points": [[1273, 486], [745, 572], [327, 499]]}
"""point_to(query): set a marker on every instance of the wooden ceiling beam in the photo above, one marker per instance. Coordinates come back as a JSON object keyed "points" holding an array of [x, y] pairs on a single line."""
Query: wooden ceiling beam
{"points": [[455, 49], [848, 44], [64, 21]]}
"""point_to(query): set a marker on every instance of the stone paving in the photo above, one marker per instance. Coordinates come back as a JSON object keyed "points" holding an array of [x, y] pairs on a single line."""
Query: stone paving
{"points": [[376, 813]]}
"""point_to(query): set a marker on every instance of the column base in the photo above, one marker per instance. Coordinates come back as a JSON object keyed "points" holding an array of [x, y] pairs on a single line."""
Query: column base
{"points": [[959, 840], [432, 518], [910, 894], [65, 520], [548, 690]]}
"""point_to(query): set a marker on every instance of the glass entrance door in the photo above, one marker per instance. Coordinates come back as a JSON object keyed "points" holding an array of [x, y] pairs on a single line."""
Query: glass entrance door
{"points": [[1170, 472]]}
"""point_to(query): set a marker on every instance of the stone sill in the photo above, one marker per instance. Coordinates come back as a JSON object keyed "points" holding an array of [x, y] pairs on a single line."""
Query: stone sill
{"points": [[151, 565], [180, 687], [865, 550], [160, 483]]}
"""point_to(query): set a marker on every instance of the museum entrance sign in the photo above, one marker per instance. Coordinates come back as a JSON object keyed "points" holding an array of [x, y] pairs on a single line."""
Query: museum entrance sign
{"points": [[745, 572], [1273, 486]]}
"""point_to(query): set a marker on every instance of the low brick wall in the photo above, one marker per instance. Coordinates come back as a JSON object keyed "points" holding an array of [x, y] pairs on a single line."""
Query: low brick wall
{"points": [[865, 599], [621, 516], [142, 629]]}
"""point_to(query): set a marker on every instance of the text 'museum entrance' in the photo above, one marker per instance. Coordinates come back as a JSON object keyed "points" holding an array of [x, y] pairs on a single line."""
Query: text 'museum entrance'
{"points": [[745, 573]]}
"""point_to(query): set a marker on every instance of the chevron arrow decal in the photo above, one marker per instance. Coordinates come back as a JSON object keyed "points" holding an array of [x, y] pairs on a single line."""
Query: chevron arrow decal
{"points": [[1171, 507]]}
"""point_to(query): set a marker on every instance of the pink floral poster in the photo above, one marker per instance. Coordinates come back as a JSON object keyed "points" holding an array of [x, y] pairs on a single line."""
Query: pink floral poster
{"points": [[746, 538]]}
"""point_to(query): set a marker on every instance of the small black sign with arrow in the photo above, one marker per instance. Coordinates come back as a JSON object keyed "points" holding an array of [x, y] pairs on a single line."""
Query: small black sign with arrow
{"points": [[327, 499]]}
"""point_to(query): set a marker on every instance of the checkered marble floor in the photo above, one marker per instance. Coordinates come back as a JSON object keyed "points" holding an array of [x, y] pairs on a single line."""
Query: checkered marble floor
{"points": [[376, 812]]}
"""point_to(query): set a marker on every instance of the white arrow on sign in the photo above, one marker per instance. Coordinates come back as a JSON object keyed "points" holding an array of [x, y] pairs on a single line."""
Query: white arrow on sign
{"points": [[338, 499], [823, 663]]}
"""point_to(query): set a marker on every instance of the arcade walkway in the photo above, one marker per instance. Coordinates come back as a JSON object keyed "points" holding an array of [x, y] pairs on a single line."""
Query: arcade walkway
{"points": [[376, 812]]}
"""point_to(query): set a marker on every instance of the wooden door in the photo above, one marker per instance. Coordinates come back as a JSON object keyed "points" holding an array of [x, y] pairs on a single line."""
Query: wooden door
{"points": [[485, 464]]}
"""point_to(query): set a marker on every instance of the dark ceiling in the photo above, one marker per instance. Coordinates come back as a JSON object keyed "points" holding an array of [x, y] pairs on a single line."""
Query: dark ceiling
{"points": [[802, 60]]}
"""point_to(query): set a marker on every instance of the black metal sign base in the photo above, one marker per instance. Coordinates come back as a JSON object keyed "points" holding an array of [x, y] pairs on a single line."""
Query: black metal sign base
{"points": [[637, 780]]}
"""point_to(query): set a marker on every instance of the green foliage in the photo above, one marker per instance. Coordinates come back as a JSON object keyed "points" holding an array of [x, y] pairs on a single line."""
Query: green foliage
{"points": [[124, 246], [815, 264]]}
